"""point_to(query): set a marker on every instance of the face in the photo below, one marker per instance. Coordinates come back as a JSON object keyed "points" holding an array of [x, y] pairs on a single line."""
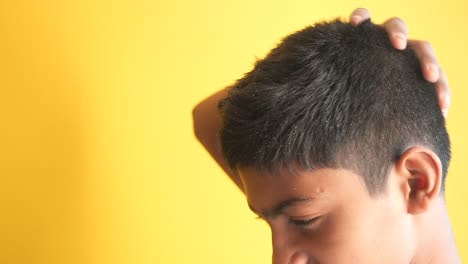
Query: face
{"points": [[327, 216]]}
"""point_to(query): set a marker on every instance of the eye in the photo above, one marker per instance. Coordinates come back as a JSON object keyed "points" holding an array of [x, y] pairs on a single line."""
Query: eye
{"points": [[304, 222]]}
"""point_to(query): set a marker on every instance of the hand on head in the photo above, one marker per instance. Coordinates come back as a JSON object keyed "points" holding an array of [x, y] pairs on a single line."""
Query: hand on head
{"points": [[397, 31]]}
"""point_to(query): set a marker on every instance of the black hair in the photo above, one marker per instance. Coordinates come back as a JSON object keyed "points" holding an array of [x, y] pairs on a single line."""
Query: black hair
{"points": [[333, 95]]}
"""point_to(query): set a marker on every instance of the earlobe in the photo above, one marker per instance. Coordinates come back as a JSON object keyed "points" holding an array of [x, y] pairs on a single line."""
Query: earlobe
{"points": [[422, 173]]}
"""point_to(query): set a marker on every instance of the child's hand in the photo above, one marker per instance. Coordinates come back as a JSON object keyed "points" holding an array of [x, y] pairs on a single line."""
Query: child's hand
{"points": [[397, 32]]}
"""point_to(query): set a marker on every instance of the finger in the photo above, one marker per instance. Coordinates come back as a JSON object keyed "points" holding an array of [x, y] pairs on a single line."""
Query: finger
{"points": [[443, 93], [397, 31], [427, 59], [358, 15]]}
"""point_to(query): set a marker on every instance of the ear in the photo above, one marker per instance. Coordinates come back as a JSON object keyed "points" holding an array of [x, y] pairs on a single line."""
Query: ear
{"points": [[421, 171]]}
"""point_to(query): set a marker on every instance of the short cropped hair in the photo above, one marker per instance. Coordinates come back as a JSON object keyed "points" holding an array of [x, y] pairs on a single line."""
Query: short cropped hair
{"points": [[333, 95]]}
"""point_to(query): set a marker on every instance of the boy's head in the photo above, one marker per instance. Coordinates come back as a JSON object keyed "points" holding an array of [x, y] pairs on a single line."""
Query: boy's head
{"points": [[337, 137]]}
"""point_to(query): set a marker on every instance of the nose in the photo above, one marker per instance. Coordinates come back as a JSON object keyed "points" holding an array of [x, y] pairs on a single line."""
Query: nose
{"points": [[284, 252], [299, 258], [294, 258]]}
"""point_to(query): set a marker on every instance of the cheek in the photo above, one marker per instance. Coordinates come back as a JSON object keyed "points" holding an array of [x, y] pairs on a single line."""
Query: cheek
{"points": [[361, 234]]}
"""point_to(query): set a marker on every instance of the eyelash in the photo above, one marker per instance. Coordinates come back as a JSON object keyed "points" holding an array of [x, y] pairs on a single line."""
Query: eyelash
{"points": [[299, 223], [305, 222]]}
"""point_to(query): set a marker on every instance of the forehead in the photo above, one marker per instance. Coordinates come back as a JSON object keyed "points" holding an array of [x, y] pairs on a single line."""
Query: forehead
{"points": [[263, 189]]}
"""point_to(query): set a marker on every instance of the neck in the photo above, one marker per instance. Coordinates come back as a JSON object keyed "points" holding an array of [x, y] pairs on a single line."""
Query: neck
{"points": [[435, 245]]}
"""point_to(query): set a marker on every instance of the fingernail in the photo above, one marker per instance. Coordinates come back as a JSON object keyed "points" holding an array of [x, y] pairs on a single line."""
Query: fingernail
{"points": [[401, 40], [447, 104], [355, 19], [447, 99], [434, 72], [445, 113]]}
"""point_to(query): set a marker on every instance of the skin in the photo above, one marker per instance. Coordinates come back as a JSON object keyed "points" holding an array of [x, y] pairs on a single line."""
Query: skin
{"points": [[337, 223], [328, 216], [341, 222]]}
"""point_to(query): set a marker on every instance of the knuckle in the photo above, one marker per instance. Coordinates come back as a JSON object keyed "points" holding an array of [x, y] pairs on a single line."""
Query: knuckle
{"points": [[396, 24], [361, 11], [397, 20], [425, 45]]}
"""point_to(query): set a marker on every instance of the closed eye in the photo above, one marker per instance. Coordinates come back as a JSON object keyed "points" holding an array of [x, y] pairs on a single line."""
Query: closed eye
{"points": [[304, 222]]}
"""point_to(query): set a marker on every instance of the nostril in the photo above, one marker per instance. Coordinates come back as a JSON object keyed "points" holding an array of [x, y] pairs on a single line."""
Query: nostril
{"points": [[299, 258]]}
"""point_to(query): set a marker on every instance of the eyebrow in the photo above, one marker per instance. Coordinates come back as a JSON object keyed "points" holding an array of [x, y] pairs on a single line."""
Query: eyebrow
{"points": [[278, 208]]}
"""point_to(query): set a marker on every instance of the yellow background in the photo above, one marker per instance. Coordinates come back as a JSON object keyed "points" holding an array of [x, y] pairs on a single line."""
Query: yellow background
{"points": [[98, 162]]}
